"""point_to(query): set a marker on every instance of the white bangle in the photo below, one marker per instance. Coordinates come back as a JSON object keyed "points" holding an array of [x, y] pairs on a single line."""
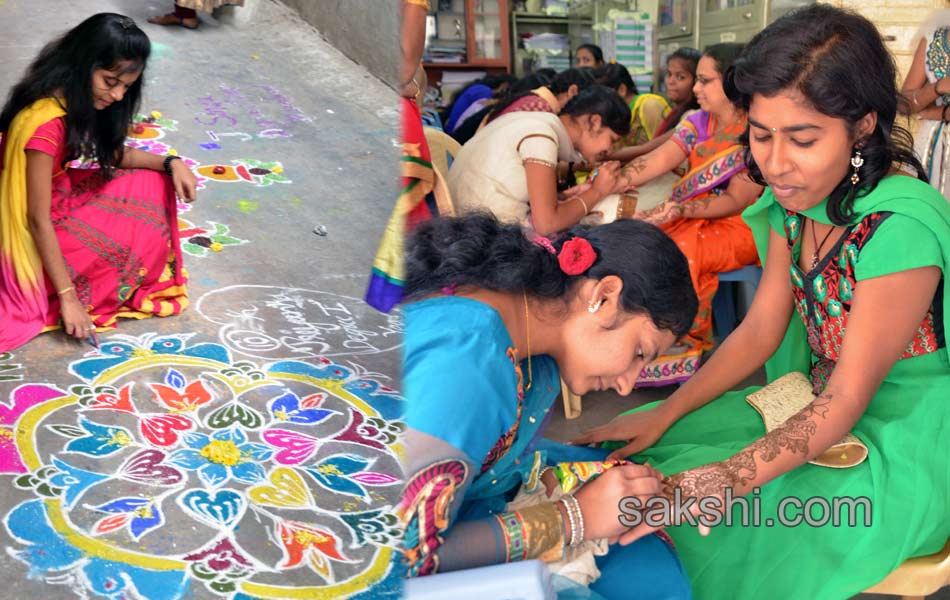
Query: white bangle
{"points": [[580, 520], [576, 519], [571, 521]]}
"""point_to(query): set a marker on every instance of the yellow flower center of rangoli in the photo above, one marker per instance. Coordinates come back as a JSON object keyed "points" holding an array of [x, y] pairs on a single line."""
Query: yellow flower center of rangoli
{"points": [[223, 452], [120, 438], [305, 538], [329, 470]]}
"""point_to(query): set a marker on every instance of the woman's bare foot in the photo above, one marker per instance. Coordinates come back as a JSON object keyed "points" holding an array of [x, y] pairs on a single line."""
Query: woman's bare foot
{"points": [[173, 19]]}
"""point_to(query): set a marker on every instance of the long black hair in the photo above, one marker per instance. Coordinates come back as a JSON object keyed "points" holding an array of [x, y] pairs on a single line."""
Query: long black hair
{"points": [[601, 100], [64, 70], [838, 61], [613, 75], [562, 82], [477, 250], [724, 54]]}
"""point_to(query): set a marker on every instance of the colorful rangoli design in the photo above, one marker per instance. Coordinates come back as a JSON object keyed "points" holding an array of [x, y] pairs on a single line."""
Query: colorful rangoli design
{"points": [[199, 241], [256, 172], [169, 471], [8, 368], [151, 127]]}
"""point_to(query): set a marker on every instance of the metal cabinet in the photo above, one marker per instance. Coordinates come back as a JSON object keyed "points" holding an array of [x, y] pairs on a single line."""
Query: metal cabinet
{"points": [[677, 19], [700, 23], [735, 15]]}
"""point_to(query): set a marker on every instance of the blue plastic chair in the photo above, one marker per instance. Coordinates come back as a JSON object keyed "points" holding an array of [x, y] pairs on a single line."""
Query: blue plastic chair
{"points": [[725, 311], [526, 580], [431, 118]]}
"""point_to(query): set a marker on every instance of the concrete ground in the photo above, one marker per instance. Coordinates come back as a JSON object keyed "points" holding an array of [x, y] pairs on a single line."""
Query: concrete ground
{"points": [[119, 479]]}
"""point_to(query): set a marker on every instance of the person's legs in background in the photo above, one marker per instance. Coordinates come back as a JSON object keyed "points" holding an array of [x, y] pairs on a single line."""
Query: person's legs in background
{"points": [[186, 17]]}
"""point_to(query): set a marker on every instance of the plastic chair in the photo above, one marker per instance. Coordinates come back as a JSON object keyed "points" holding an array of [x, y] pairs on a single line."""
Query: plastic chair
{"points": [[443, 149], [917, 577], [431, 118], [526, 580], [725, 314]]}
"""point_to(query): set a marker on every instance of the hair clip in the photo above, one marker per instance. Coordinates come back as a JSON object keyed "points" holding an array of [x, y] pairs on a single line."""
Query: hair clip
{"points": [[543, 242], [126, 23]]}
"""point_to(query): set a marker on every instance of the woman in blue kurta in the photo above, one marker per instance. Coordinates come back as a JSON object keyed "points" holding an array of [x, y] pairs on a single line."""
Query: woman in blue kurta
{"points": [[497, 321]]}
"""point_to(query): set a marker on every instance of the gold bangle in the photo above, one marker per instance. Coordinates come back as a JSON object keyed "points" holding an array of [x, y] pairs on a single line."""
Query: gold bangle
{"points": [[65, 291], [544, 531], [533, 532], [418, 91], [584, 204]]}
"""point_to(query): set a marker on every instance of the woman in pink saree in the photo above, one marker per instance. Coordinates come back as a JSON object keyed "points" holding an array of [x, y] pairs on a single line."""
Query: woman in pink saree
{"points": [[81, 247]]}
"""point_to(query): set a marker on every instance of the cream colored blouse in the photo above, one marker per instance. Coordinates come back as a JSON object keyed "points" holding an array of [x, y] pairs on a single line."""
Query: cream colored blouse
{"points": [[488, 173]]}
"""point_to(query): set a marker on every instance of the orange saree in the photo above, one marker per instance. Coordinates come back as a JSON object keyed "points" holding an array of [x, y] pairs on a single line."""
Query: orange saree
{"points": [[712, 246]]}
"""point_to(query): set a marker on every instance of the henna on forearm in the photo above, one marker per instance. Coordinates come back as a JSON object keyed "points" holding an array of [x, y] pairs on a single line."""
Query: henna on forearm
{"points": [[626, 178], [689, 209], [653, 213], [793, 436], [741, 469], [638, 165]]}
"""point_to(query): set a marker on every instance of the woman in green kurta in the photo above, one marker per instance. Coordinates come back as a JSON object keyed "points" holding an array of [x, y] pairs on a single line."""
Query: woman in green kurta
{"points": [[858, 249]]}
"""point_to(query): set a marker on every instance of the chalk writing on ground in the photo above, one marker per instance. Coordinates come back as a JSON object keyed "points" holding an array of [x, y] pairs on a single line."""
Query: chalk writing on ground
{"points": [[271, 112], [273, 323]]}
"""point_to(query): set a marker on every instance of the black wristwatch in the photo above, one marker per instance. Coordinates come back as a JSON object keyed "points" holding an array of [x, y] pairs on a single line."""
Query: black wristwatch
{"points": [[167, 164]]}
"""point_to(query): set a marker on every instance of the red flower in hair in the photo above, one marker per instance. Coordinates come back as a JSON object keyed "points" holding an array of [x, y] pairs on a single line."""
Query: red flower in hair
{"points": [[576, 256]]}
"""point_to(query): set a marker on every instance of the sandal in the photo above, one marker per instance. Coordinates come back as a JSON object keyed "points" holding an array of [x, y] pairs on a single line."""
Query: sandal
{"points": [[173, 19]]}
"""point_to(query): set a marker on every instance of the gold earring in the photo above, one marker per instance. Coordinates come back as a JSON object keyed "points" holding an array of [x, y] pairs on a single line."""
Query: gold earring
{"points": [[594, 306], [856, 162]]}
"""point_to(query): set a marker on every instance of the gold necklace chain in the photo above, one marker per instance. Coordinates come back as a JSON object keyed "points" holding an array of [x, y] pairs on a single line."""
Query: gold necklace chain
{"points": [[527, 335]]}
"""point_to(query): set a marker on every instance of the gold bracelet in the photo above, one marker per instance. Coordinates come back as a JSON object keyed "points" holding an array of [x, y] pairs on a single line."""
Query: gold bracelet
{"points": [[418, 91], [544, 531], [65, 291], [584, 204], [533, 532], [418, 88]]}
